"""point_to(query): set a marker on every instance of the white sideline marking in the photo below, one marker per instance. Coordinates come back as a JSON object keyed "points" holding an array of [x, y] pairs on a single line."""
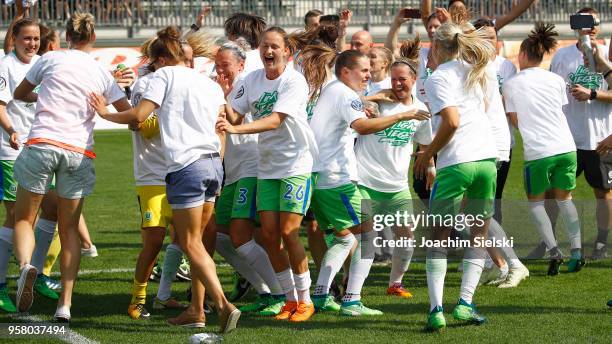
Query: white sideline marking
{"points": [[70, 336]]}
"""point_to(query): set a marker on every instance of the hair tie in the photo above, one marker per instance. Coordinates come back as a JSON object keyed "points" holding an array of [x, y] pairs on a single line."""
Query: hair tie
{"points": [[457, 36]]}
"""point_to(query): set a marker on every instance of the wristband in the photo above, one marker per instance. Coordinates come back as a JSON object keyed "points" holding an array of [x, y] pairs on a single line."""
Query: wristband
{"points": [[593, 94], [194, 27]]}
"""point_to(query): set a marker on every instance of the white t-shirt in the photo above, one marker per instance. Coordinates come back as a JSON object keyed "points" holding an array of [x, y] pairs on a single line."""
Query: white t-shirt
{"points": [[149, 163], [253, 61], [473, 139], [505, 70], [66, 80], [189, 105], [337, 107], [21, 114], [240, 150], [377, 86], [290, 149], [383, 158], [589, 121], [497, 114], [537, 96], [423, 74]]}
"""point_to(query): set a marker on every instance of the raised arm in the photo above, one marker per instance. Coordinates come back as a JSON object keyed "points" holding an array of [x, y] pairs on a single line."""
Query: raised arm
{"points": [[8, 38], [391, 40], [345, 19], [514, 13], [426, 11]]}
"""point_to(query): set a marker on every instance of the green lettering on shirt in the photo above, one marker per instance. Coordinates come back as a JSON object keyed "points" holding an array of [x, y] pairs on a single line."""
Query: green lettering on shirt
{"points": [[265, 104], [586, 78], [397, 135]]}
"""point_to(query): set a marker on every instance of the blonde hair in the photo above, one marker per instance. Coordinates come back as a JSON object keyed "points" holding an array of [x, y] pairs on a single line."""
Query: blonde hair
{"points": [[201, 42], [80, 27], [387, 54], [469, 45]]}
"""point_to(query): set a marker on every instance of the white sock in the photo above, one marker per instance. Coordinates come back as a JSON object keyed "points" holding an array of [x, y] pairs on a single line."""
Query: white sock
{"points": [[387, 235], [285, 279], [542, 222], [568, 213], [302, 285], [6, 249], [400, 261], [360, 266], [435, 267], [472, 269], [258, 260], [332, 262], [44, 235], [172, 261], [225, 248]]}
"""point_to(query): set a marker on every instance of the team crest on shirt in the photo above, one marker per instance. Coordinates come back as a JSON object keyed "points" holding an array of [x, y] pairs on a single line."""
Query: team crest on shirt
{"points": [[2, 83], [357, 105], [265, 104], [240, 92], [148, 216], [397, 135], [500, 82], [13, 188], [584, 77], [137, 98]]}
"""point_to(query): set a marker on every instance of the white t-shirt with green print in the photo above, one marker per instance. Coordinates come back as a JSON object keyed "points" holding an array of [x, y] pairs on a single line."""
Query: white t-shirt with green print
{"points": [[589, 121], [290, 149]]}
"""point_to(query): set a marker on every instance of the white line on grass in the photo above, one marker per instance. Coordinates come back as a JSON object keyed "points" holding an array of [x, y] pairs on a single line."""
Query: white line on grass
{"points": [[70, 336]]}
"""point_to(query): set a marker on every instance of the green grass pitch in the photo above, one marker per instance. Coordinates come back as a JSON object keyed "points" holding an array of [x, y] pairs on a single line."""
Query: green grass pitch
{"points": [[566, 308]]}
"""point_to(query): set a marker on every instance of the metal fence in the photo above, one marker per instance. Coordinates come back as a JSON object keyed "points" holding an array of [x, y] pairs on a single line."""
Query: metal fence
{"points": [[157, 13]]}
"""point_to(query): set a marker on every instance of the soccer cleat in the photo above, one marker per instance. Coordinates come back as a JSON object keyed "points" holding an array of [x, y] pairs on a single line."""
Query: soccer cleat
{"points": [[41, 288], [184, 271], [356, 309], [186, 319], [274, 307], [90, 252], [303, 312], [538, 252], [62, 314], [515, 276], [435, 320], [609, 303], [490, 274], [600, 251], [25, 288], [138, 312], [53, 284], [334, 290], [325, 304], [575, 265], [5, 301], [382, 260], [287, 311], [241, 288], [156, 273], [554, 266], [467, 312], [171, 303], [398, 290]]}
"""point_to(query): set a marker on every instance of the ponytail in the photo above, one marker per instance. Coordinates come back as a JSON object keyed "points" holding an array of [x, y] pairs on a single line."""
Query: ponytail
{"points": [[317, 60], [80, 28], [202, 43], [409, 54], [541, 40], [167, 45]]}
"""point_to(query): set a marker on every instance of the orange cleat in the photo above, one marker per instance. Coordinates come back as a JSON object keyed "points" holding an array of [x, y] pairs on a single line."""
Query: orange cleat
{"points": [[287, 311], [399, 291], [303, 312]]}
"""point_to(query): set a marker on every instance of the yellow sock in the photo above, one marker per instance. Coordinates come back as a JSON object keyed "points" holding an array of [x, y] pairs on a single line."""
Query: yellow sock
{"points": [[54, 251], [139, 292]]}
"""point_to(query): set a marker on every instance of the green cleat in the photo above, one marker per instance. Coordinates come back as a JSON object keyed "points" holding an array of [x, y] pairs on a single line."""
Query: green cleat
{"points": [[466, 312], [258, 305], [273, 308], [325, 304], [356, 308], [575, 265], [435, 320], [43, 289], [5, 301]]}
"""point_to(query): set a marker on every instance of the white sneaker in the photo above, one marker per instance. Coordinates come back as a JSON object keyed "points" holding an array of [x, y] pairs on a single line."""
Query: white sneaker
{"points": [[491, 274], [25, 288], [515, 276], [90, 252], [62, 314]]}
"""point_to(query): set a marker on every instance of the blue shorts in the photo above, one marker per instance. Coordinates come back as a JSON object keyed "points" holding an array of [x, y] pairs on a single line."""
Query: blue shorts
{"points": [[195, 184]]}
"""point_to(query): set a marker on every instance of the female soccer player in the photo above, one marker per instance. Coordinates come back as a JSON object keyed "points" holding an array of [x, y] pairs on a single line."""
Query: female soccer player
{"points": [[186, 118], [60, 144], [466, 159], [535, 99], [276, 97], [381, 59]]}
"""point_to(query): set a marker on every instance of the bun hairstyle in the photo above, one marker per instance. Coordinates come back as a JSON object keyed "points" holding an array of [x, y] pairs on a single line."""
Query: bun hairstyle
{"points": [[409, 54], [541, 40], [80, 28], [167, 45], [463, 42]]}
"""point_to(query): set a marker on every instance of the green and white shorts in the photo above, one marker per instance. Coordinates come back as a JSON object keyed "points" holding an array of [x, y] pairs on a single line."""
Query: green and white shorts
{"points": [[291, 194], [237, 201]]}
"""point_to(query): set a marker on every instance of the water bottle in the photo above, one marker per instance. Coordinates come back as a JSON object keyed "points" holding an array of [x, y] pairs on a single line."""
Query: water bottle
{"points": [[205, 338]]}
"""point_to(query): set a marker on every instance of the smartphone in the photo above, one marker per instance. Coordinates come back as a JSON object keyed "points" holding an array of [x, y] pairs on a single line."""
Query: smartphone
{"points": [[412, 13], [582, 21]]}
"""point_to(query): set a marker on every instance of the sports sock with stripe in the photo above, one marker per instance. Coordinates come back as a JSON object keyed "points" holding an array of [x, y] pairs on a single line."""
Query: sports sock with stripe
{"points": [[361, 262], [400, 261], [172, 261], [6, 249], [285, 279], [542, 222], [569, 214], [302, 286], [225, 248], [473, 262], [258, 260], [435, 268], [332, 262], [44, 232]]}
